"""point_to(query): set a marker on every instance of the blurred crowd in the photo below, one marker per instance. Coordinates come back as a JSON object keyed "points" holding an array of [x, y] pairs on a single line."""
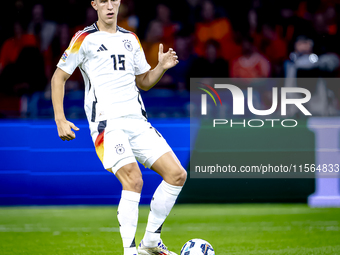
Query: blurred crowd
{"points": [[240, 39]]}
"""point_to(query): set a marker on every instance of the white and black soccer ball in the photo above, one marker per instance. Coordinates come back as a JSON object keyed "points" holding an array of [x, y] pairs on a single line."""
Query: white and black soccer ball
{"points": [[197, 247]]}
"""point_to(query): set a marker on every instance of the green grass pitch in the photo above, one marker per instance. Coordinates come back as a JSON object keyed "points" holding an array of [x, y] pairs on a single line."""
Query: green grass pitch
{"points": [[231, 229]]}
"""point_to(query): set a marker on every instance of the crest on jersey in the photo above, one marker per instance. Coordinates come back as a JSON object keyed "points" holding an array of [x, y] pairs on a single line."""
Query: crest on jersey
{"points": [[128, 45], [120, 149], [64, 56]]}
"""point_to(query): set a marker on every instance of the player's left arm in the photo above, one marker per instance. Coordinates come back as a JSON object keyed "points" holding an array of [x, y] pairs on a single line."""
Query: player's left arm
{"points": [[166, 60]]}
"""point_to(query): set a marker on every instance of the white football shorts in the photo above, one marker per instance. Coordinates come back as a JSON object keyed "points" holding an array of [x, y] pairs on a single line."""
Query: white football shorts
{"points": [[124, 140]]}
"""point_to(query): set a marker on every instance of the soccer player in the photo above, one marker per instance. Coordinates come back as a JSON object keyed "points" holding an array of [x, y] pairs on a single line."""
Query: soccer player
{"points": [[114, 68]]}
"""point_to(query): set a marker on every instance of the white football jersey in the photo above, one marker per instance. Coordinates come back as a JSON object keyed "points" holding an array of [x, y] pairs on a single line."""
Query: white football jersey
{"points": [[108, 63]]}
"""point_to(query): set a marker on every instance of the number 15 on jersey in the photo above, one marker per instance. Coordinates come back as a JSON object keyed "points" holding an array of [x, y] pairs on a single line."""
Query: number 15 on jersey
{"points": [[121, 62]]}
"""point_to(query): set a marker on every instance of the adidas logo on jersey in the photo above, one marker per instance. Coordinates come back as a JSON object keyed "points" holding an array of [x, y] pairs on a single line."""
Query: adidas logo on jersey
{"points": [[102, 48]]}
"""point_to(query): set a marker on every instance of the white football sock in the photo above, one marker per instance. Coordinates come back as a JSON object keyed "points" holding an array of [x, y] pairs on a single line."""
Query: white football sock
{"points": [[161, 204], [130, 251], [127, 215]]}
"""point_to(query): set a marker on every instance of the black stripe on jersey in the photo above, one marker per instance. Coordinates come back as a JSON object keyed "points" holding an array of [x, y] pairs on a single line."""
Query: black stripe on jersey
{"points": [[95, 26], [143, 111], [102, 126], [93, 117], [123, 30], [94, 104], [91, 30], [158, 135], [86, 31], [104, 47]]}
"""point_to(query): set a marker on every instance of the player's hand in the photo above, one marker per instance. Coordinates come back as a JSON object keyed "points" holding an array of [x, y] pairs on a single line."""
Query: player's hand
{"points": [[65, 130], [168, 59]]}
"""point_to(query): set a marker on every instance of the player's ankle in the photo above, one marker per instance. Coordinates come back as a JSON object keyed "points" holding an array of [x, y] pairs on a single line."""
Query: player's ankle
{"points": [[151, 239]]}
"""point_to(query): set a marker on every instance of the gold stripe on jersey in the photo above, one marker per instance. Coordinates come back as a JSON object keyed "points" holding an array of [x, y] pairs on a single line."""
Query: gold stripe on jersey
{"points": [[78, 39]]}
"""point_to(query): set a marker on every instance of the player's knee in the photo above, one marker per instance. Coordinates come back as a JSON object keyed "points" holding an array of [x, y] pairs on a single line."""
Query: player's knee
{"points": [[183, 177], [132, 179], [179, 177], [134, 183]]}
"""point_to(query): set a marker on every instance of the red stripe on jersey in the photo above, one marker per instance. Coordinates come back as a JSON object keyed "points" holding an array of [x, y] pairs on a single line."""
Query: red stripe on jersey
{"points": [[76, 42], [99, 144], [140, 45]]}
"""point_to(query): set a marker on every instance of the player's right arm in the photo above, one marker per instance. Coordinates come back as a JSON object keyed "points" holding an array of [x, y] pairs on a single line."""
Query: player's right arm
{"points": [[58, 90]]}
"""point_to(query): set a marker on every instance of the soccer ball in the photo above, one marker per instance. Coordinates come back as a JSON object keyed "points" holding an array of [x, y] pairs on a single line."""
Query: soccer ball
{"points": [[197, 247]]}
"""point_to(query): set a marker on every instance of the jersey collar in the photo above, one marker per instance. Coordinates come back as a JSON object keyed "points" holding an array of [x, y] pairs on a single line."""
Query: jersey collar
{"points": [[96, 27]]}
